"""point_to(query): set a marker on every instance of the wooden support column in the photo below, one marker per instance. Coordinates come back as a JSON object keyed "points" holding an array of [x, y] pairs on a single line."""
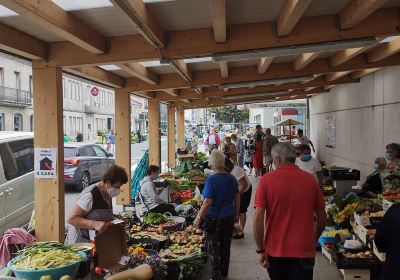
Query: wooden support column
{"points": [[154, 132], [48, 112], [171, 137], [181, 127], [123, 141]]}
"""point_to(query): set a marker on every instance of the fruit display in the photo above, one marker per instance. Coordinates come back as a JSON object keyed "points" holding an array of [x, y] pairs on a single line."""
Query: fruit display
{"points": [[189, 235], [332, 233], [156, 218], [147, 234], [378, 214], [343, 215], [181, 196], [185, 249], [392, 195], [328, 188], [361, 255]]}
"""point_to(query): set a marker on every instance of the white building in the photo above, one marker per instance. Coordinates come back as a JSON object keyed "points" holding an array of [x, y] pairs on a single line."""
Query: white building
{"points": [[88, 106]]}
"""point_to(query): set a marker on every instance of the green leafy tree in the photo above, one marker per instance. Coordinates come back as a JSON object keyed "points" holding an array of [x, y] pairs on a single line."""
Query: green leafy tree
{"points": [[230, 114]]}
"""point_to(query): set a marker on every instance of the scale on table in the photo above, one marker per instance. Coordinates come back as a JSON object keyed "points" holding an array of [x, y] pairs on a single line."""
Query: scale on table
{"points": [[344, 179]]}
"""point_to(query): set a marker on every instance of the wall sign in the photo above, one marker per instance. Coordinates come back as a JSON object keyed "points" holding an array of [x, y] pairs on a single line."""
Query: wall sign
{"points": [[45, 163], [330, 130], [95, 91]]}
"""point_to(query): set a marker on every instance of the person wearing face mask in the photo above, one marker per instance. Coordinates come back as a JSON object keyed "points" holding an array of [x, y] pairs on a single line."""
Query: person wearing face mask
{"points": [[309, 164], [149, 194], [391, 175], [229, 149], [93, 210], [373, 182]]}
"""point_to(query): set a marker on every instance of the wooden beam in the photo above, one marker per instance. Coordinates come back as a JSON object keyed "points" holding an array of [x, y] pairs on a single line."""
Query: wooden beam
{"points": [[99, 75], [19, 43], [181, 127], [145, 23], [358, 10], [171, 137], [304, 59], [334, 76], [384, 50], [182, 69], [263, 64], [172, 92], [214, 92], [344, 55], [60, 22], [361, 73], [218, 15], [48, 129], [123, 141], [290, 14], [139, 71], [186, 100], [247, 73], [223, 67], [243, 37], [154, 132]]}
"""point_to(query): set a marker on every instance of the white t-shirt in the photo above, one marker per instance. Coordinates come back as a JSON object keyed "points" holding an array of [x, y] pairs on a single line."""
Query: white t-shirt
{"points": [[311, 166], [221, 135], [304, 140], [86, 202], [239, 173], [211, 140]]}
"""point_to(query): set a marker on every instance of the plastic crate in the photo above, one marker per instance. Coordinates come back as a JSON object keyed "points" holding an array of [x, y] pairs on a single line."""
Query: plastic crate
{"points": [[354, 263], [325, 239]]}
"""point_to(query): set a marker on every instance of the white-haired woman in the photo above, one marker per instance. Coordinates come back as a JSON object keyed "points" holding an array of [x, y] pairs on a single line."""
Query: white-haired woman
{"points": [[221, 203]]}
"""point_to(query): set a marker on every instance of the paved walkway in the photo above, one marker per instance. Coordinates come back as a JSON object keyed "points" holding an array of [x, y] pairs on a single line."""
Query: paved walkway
{"points": [[244, 264]]}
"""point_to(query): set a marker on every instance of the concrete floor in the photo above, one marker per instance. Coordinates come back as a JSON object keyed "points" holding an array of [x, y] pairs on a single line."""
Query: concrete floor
{"points": [[244, 266]]}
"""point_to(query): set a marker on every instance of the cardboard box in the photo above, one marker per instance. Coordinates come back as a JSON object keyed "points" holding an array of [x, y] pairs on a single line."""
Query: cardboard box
{"points": [[111, 246]]}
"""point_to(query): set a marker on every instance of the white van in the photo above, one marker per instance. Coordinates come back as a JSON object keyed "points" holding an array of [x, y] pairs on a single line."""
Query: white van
{"points": [[16, 179]]}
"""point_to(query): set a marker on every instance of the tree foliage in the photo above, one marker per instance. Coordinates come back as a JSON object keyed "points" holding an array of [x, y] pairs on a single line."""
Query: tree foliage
{"points": [[230, 114]]}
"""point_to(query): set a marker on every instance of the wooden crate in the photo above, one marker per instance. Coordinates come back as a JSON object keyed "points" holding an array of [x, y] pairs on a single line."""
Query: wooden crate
{"points": [[362, 232], [379, 255], [359, 274]]}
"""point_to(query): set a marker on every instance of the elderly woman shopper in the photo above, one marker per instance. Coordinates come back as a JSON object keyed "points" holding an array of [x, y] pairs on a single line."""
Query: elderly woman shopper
{"points": [[229, 149], [245, 190], [93, 210], [391, 176], [220, 210]]}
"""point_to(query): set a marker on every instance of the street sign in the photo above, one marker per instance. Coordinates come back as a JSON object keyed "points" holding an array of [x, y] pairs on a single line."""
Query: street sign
{"points": [[95, 91], [45, 163]]}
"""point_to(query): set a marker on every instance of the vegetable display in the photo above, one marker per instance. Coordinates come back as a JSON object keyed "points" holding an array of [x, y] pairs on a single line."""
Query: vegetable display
{"points": [[156, 218], [45, 255]]}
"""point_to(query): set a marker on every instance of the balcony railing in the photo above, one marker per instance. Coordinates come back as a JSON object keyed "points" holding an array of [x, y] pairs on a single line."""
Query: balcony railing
{"points": [[15, 96]]}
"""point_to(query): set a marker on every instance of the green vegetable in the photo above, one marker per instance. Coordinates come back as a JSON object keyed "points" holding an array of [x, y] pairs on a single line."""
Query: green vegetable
{"points": [[156, 218]]}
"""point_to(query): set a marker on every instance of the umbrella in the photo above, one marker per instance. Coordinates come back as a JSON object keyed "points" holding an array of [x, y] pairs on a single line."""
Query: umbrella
{"points": [[288, 122]]}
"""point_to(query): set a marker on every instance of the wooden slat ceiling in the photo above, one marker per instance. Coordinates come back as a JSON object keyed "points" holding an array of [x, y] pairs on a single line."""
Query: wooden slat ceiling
{"points": [[125, 33]]}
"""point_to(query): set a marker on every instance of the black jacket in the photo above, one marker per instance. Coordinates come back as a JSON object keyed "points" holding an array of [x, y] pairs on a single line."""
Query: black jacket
{"points": [[387, 239], [373, 183]]}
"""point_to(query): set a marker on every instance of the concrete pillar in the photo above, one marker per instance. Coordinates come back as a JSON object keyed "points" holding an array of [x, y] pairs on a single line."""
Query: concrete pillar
{"points": [[171, 137], [48, 131], [181, 127], [123, 141], [154, 132]]}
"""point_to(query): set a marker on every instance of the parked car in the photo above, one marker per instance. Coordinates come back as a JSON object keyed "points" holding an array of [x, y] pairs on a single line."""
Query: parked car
{"points": [[85, 164], [16, 179]]}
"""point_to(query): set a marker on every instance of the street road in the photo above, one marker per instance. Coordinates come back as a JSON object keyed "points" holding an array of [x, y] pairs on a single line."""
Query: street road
{"points": [[137, 151]]}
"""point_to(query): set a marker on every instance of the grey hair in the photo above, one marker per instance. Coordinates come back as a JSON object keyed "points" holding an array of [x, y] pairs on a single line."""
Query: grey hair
{"points": [[285, 151], [217, 159], [381, 160]]}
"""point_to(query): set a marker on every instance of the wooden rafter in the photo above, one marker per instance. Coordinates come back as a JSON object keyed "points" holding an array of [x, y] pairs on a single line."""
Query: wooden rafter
{"points": [[218, 14], [247, 73], [304, 59], [139, 71], [216, 92], [290, 14], [60, 22], [357, 10], [97, 74], [384, 50], [361, 73], [19, 43], [223, 67], [182, 68], [242, 37], [172, 92], [334, 76], [263, 64], [344, 55], [145, 23]]}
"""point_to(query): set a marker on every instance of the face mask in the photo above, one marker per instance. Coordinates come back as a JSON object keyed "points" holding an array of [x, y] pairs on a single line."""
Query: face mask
{"points": [[273, 166], [387, 157], [306, 157], [113, 192]]}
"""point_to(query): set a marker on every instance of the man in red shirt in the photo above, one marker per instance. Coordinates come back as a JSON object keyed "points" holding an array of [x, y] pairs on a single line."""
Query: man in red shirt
{"points": [[290, 216]]}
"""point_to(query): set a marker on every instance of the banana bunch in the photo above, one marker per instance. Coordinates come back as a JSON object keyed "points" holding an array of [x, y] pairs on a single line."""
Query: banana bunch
{"points": [[345, 213]]}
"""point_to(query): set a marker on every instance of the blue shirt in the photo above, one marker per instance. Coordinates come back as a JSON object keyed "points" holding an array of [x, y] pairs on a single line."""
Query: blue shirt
{"points": [[221, 188]]}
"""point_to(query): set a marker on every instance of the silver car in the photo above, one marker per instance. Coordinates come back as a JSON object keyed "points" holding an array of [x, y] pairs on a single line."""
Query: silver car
{"points": [[16, 179]]}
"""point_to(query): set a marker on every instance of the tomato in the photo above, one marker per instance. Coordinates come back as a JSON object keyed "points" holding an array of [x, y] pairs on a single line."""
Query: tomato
{"points": [[99, 271]]}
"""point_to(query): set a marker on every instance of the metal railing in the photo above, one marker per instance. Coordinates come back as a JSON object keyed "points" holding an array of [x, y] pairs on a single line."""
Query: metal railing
{"points": [[15, 96]]}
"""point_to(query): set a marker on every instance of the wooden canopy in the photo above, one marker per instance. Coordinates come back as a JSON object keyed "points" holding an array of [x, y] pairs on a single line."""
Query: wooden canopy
{"points": [[193, 53]]}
